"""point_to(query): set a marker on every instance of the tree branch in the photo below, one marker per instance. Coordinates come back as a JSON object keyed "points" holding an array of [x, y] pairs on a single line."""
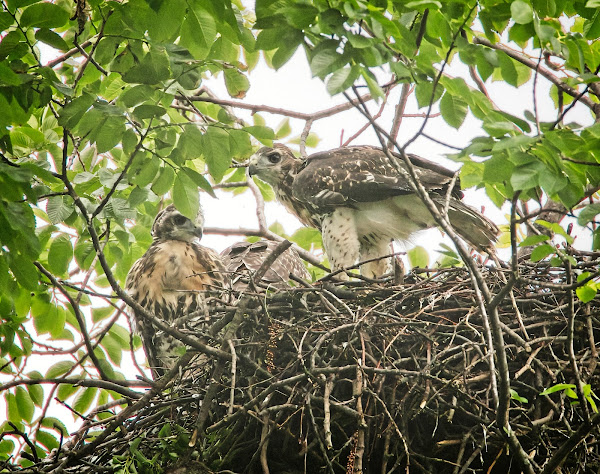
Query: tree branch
{"points": [[517, 56]]}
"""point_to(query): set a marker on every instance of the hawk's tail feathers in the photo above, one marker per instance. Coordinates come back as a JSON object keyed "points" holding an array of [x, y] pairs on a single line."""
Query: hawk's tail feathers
{"points": [[471, 225]]}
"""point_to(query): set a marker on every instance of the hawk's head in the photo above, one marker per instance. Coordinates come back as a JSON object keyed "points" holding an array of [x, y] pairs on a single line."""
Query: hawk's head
{"points": [[273, 165], [170, 224]]}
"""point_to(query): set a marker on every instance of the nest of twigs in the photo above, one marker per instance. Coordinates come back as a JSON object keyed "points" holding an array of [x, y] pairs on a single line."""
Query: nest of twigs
{"points": [[378, 377]]}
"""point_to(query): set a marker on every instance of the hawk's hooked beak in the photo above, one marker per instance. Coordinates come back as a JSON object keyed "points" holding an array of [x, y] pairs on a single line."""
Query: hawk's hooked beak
{"points": [[253, 165], [198, 232]]}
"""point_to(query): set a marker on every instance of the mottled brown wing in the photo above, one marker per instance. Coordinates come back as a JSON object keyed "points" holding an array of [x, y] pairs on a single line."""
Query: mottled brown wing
{"points": [[363, 174], [242, 257]]}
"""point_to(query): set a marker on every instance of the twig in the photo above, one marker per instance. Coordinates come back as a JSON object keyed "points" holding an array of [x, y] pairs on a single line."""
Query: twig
{"points": [[78, 316], [233, 375], [561, 85]]}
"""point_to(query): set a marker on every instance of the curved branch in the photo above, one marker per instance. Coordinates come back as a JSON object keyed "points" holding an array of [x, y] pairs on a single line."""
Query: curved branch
{"points": [[530, 63]]}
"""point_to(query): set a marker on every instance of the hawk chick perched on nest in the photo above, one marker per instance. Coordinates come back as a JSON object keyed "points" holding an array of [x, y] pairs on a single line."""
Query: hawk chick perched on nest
{"points": [[243, 257], [169, 280], [361, 202]]}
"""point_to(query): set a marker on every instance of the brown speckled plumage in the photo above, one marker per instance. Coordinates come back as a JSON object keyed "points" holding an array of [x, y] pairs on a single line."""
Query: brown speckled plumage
{"points": [[361, 201], [244, 257], [170, 281]]}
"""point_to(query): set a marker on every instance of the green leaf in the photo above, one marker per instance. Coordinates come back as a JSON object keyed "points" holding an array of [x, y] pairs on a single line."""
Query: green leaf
{"points": [[52, 39], [169, 17], [121, 335], [288, 44], [36, 392], [47, 439], [59, 368], [144, 169], [71, 114], [25, 271], [7, 446], [556, 228], [44, 15], [525, 177], [521, 12], [24, 404], [198, 32], [557, 388], [84, 400], [260, 132], [325, 61], [164, 181], [200, 181], [514, 395], [60, 255], [453, 109], [113, 349], [542, 252], [418, 257], [307, 238], [236, 82], [84, 253], [65, 391], [119, 210], [8, 76], [147, 111], [99, 314], [533, 240], [43, 314], [58, 323], [12, 408], [283, 129], [588, 214], [185, 196], [508, 70], [340, 80], [424, 91], [587, 292], [136, 95], [215, 149], [423, 4], [152, 69]]}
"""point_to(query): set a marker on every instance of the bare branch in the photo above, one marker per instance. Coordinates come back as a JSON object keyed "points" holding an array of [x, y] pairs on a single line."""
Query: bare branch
{"points": [[562, 86]]}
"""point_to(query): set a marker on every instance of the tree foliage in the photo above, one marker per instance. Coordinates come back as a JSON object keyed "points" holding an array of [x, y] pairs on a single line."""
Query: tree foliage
{"points": [[106, 113]]}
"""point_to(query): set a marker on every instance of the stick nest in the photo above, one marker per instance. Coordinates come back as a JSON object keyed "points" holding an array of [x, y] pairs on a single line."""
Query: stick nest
{"points": [[376, 377]]}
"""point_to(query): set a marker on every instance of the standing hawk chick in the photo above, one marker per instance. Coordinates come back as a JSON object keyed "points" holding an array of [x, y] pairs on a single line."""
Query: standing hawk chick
{"points": [[170, 281], [244, 257], [361, 202]]}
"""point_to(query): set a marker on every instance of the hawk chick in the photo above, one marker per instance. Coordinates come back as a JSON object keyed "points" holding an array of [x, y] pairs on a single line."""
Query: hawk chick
{"points": [[243, 257], [170, 280], [361, 201]]}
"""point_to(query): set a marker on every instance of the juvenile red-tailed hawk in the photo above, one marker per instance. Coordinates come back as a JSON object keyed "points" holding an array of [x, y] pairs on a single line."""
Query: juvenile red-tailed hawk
{"points": [[361, 201], [243, 258], [170, 281]]}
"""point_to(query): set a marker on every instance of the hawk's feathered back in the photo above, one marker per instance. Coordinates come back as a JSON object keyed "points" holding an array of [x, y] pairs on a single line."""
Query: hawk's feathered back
{"points": [[244, 257], [361, 200], [170, 281]]}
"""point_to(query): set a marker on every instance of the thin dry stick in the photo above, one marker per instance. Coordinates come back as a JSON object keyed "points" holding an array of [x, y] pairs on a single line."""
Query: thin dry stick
{"points": [[327, 411], [233, 374], [264, 441], [399, 112]]}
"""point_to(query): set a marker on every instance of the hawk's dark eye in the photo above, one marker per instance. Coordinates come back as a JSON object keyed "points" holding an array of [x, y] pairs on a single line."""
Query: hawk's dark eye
{"points": [[179, 219], [274, 158]]}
